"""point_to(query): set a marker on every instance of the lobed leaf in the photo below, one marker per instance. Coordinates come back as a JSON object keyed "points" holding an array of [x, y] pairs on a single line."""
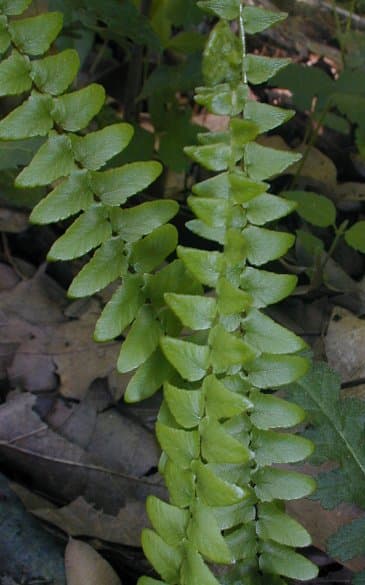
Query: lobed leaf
{"points": [[263, 162], [218, 446], [222, 403], [272, 412], [228, 350], [267, 288], [206, 535], [189, 359], [231, 300], [181, 446], [272, 447], [270, 337], [213, 490], [142, 340], [217, 187], [186, 406], [15, 75], [274, 524], [260, 69], [34, 35], [194, 571], [149, 378], [180, 483], [32, 118], [205, 266], [270, 371], [264, 245], [282, 560], [265, 208], [54, 74], [74, 111], [149, 253], [96, 148], [194, 311], [214, 157], [222, 55], [228, 9], [164, 558], [243, 542], [257, 19], [169, 521], [135, 222], [266, 117], [279, 484], [115, 186]]}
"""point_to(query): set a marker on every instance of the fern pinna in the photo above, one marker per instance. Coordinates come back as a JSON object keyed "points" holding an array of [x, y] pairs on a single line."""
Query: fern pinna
{"points": [[217, 355]]}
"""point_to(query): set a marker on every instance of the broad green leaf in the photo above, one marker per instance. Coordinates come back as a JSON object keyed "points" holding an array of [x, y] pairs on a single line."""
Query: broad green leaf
{"points": [[180, 446], [54, 74], [135, 222], [53, 160], [142, 340], [222, 55], [210, 210], [217, 187], [229, 9], [266, 117], [274, 524], [164, 558], [87, 232], [14, 7], [223, 99], [316, 209], [263, 162], [214, 157], [189, 359], [266, 208], [205, 266], [34, 35], [120, 310], [70, 197], [213, 490], [241, 513], [264, 245], [171, 278], [149, 253], [194, 571], [4, 34], [169, 521], [267, 288], [148, 378], [216, 234], [107, 264], [349, 541], [231, 300], [279, 484], [206, 138], [257, 19], [228, 350], [270, 371], [243, 189], [270, 337], [74, 111], [218, 446], [194, 311], [282, 560], [242, 132], [355, 236], [272, 412], [115, 186], [15, 75], [261, 69], [95, 149], [180, 483], [243, 542], [273, 447], [32, 118], [186, 405], [220, 402], [205, 533]]}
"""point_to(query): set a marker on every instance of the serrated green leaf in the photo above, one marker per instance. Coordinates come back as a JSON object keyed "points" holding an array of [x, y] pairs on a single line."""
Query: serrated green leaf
{"points": [[282, 560], [214, 157], [135, 222], [115, 186], [14, 7], [213, 490], [215, 234], [148, 378], [53, 160], [222, 55], [231, 300], [87, 232], [142, 340], [180, 483], [263, 162], [272, 447], [218, 446], [274, 524], [242, 132], [120, 310], [210, 210], [171, 278], [149, 253], [32, 118], [228, 9], [206, 535], [270, 337], [266, 208], [75, 110], [220, 402], [266, 117], [316, 209], [355, 236], [54, 74], [164, 558], [267, 288], [269, 371], [228, 350], [107, 264], [272, 412], [260, 69], [69, 197], [34, 35], [223, 99], [96, 148], [194, 571], [243, 542], [257, 19], [189, 359], [217, 187], [169, 521], [264, 245], [186, 405], [15, 75], [243, 189], [180, 446], [205, 266], [194, 311], [279, 484]]}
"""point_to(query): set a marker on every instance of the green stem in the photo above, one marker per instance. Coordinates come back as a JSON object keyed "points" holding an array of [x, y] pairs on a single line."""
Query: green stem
{"points": [[243, 42]]}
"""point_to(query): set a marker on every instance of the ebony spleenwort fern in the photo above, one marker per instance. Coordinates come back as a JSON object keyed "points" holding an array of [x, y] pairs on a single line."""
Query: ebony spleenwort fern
{"points": [[216, 422]]}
